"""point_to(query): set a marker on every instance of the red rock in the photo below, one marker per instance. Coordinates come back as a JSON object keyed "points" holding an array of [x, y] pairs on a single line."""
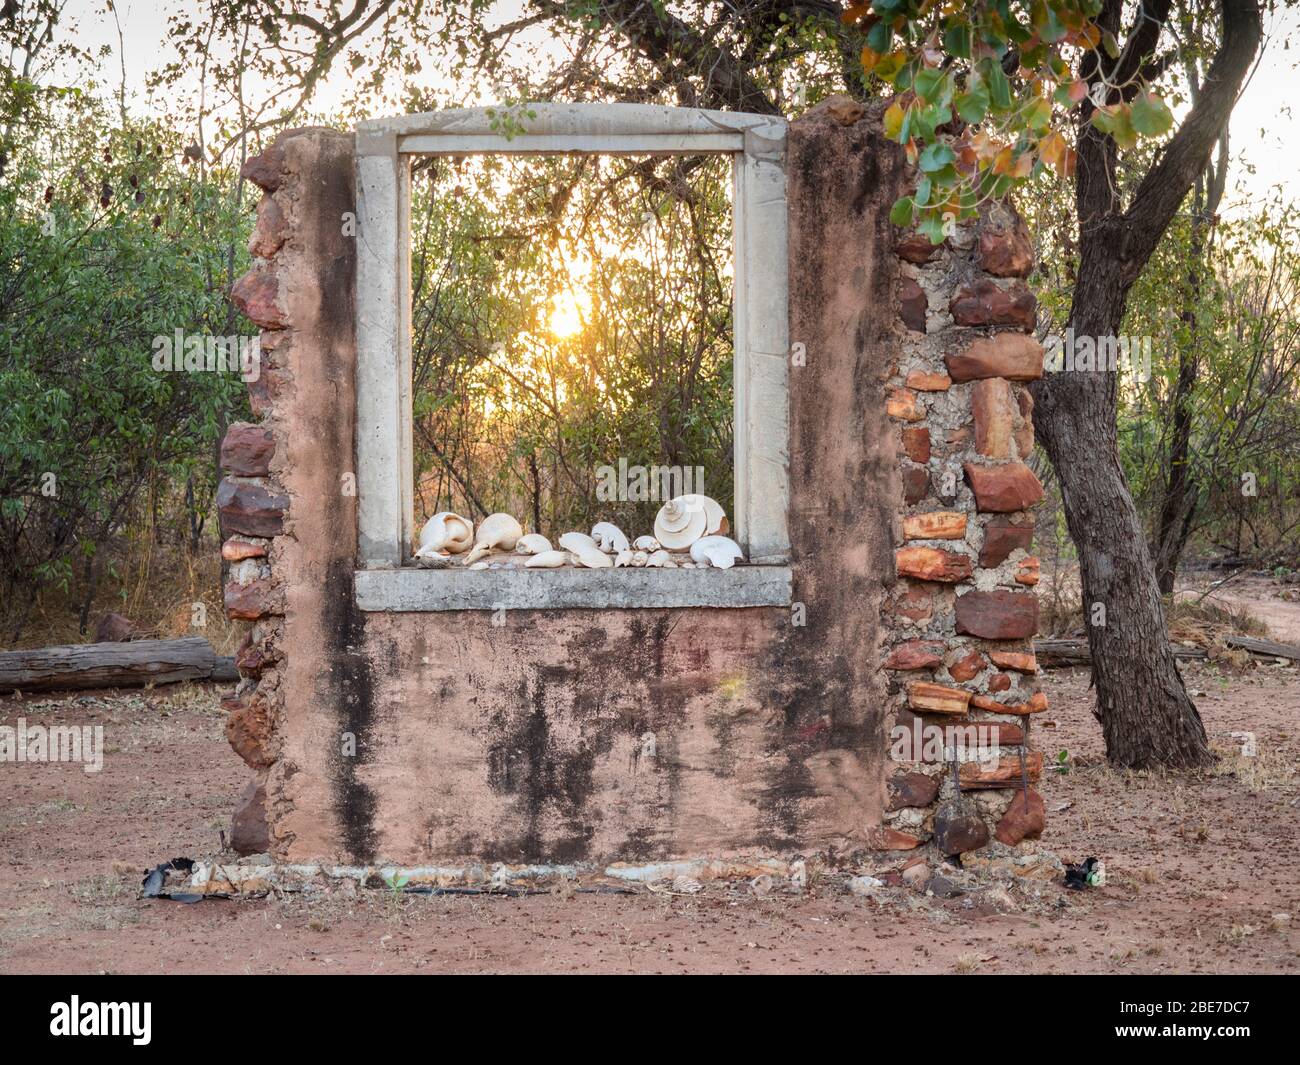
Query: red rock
{"points": [[1036, 705], [1001, 538], [969, 665], [266, 389], [114, 628], [930, 750], [997, 615], [985, 302], [916, 248], [266, 169], [1003, 489], [916, 483], [994, 409], [902, 403], [250, 509], [915, 654], [925, 381], [1011, 355], [843, 109], [252, 660], [249, 832], [246, 450], [916, 602], [1025, 818], [912, 305], [1025, 428], [936, 525], [1004, 248], [1027, 573], [888, 839], [256, 599], [239, 550], [999, 682], [932, 564], [1020, 661], [1004, 773], [924, 697], [916, 444], [249, 729], [906, 789], [271, 230], [256, 296], [958, 829]]}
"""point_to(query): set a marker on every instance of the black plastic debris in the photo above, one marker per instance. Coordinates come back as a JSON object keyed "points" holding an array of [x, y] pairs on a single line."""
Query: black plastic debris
{"points": [[155, 882], [1092, 873]]}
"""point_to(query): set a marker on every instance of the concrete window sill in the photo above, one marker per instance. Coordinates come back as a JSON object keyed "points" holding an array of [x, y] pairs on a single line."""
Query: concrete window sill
{"points": [[571, 589]]}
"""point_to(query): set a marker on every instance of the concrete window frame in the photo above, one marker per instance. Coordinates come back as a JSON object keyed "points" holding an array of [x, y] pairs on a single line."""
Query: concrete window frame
{"points": [[760, 316]]}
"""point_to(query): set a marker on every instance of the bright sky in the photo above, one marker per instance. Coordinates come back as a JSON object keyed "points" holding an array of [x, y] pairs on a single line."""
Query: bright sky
{"points": [[1265, 126]]}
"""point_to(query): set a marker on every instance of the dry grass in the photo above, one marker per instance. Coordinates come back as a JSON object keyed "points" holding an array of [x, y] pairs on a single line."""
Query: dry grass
{"points": [[159, 588]]}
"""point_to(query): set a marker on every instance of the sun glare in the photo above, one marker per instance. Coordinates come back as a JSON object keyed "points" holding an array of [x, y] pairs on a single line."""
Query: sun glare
{"points": [[568, 311]]}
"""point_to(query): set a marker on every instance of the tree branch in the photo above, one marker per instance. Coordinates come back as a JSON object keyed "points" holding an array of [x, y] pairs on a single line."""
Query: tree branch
{"points": [[1185, 156]]}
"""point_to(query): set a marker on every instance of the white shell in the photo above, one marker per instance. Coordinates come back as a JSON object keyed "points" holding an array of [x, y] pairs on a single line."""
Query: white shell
{"points": [[646, 543], [547, 559], [609, 537], [445, 533], [715, 521], [639, 558], [532, 544], [624, 558], [496, 530], [718, 551], [677, 526], [478, 565], [661, 559], [585, 551]]}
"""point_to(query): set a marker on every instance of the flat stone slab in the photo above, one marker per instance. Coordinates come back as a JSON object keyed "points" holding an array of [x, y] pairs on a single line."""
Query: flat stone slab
{"points": [[626, 588]]}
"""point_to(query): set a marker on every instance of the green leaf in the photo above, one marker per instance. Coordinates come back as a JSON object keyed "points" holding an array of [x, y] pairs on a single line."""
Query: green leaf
{"points": [[999, 86], [901, 213], [879, 37], [956, 40], [932, 226], [928, 84], [973, 104], [935, 157], [1151, 116]]}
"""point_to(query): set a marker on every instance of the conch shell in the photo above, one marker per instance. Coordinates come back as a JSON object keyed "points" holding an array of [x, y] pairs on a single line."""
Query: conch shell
{"points": [[446, 533], [609, 537], [677, 524], [496, 530], [585, 550], [547, 559], [718, 551], [715, 520], [532, 544]]}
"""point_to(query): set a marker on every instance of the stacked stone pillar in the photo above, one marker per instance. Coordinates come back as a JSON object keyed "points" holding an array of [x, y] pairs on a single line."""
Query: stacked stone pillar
{"points": [[960, 649]]}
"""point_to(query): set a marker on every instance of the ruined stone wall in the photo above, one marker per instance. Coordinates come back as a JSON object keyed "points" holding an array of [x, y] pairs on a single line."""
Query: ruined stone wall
{"points": [[964, 613], [586, 736]]}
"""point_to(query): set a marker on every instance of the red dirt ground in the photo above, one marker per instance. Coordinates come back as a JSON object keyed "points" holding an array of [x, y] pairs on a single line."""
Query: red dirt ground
{"points": [[1202, 870]]}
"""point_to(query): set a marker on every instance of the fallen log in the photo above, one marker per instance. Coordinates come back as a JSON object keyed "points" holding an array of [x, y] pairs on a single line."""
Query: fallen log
{"points": [[112, 665], [1062, 654], [1267, 648]]}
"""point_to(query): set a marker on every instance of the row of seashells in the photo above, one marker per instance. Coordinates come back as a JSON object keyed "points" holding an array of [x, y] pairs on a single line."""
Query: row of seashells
{"points": [[693, 523]]}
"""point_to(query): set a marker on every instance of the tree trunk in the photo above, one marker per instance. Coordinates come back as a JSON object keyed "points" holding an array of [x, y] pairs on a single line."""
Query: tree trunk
{"points": [[1146, 716]]}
